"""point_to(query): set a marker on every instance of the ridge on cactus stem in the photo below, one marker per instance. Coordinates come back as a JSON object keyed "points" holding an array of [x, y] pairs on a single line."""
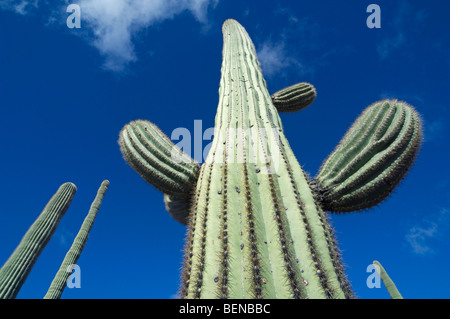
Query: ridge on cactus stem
{"points": [[17, 268], [257, 226], [60, 281], [372, 158], [294, 98]]}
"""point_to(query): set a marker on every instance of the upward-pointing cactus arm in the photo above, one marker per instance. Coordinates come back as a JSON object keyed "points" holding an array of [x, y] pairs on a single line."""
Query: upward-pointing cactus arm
{"points": [[16, 269], [371, 159], [59, 282], [159, 162]]}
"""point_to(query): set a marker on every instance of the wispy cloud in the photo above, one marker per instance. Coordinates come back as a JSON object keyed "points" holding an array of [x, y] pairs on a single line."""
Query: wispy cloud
{"points": [[19, 6], [400, 30], [273, 58], [277, 56], [298, 48], [420, 236], [113, 25]]}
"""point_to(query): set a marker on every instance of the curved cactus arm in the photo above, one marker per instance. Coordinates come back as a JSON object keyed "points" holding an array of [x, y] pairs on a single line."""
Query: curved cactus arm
{"points": [[17, 268], [294, 98], [159, 162], [59, 282], [371, 159], [178, 207], [390, 286]]}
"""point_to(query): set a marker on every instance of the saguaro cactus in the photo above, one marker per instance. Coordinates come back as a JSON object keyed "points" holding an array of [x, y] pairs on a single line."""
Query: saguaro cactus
{"points": [[59, 282], [256, 225], [18, 266]]}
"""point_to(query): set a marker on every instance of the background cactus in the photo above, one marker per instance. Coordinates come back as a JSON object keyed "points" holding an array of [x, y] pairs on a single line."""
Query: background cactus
{"points": [[257, 228], [16, 269], [59, 282], [390, 286]]}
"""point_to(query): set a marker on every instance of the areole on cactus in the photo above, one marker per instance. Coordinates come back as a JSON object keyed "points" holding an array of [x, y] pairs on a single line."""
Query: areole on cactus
{"points": [[257, 226]]}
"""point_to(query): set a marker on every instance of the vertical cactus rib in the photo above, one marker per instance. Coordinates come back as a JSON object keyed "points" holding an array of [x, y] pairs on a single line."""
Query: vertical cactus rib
{"points": [[16, 269], [59, 282], [294, 98], [159, 162], [372, 158], [389, 284]]}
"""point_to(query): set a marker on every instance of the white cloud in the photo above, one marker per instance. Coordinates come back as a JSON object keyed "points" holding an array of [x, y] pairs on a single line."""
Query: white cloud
{"points": [[273, 58], [420, 235], [113, 25]]}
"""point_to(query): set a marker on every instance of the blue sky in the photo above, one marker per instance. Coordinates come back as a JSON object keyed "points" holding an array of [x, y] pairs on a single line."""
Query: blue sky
{"points": [[66, 93]]}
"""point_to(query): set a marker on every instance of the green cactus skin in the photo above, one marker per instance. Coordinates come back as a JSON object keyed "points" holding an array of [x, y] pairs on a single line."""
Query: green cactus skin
{"points": [[256, 226], [153, 155], [372, 158], [294, 98], [178, 207], [389, 284], [59, 282], [16, 269]]}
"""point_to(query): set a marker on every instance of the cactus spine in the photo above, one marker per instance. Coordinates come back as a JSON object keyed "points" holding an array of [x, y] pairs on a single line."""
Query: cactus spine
{"points": [[256, 225], [16, 269], [59, 282]]}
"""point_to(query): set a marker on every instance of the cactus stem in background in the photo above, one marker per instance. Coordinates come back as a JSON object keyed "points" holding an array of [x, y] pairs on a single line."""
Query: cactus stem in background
{"points": [[16, 269], [59, 282]]}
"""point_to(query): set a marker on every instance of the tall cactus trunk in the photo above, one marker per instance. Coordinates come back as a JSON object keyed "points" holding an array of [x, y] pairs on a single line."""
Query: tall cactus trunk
{"points": [[255, 229]]}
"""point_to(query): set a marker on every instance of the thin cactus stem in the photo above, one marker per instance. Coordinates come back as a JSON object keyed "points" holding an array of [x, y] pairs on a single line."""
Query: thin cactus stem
{"points": [[388, 283], [59, 282], [17, 268]]}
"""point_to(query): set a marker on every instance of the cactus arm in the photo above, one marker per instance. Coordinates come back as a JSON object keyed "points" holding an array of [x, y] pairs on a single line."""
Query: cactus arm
{"points": [[389, 284], [159, 162], [16, 269], [371, 159], [178, 207], [59, 282], [294, 98]]}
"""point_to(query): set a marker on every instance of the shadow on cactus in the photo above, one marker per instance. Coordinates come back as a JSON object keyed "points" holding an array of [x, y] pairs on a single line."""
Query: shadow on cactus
{"points": [[257, 226]]}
